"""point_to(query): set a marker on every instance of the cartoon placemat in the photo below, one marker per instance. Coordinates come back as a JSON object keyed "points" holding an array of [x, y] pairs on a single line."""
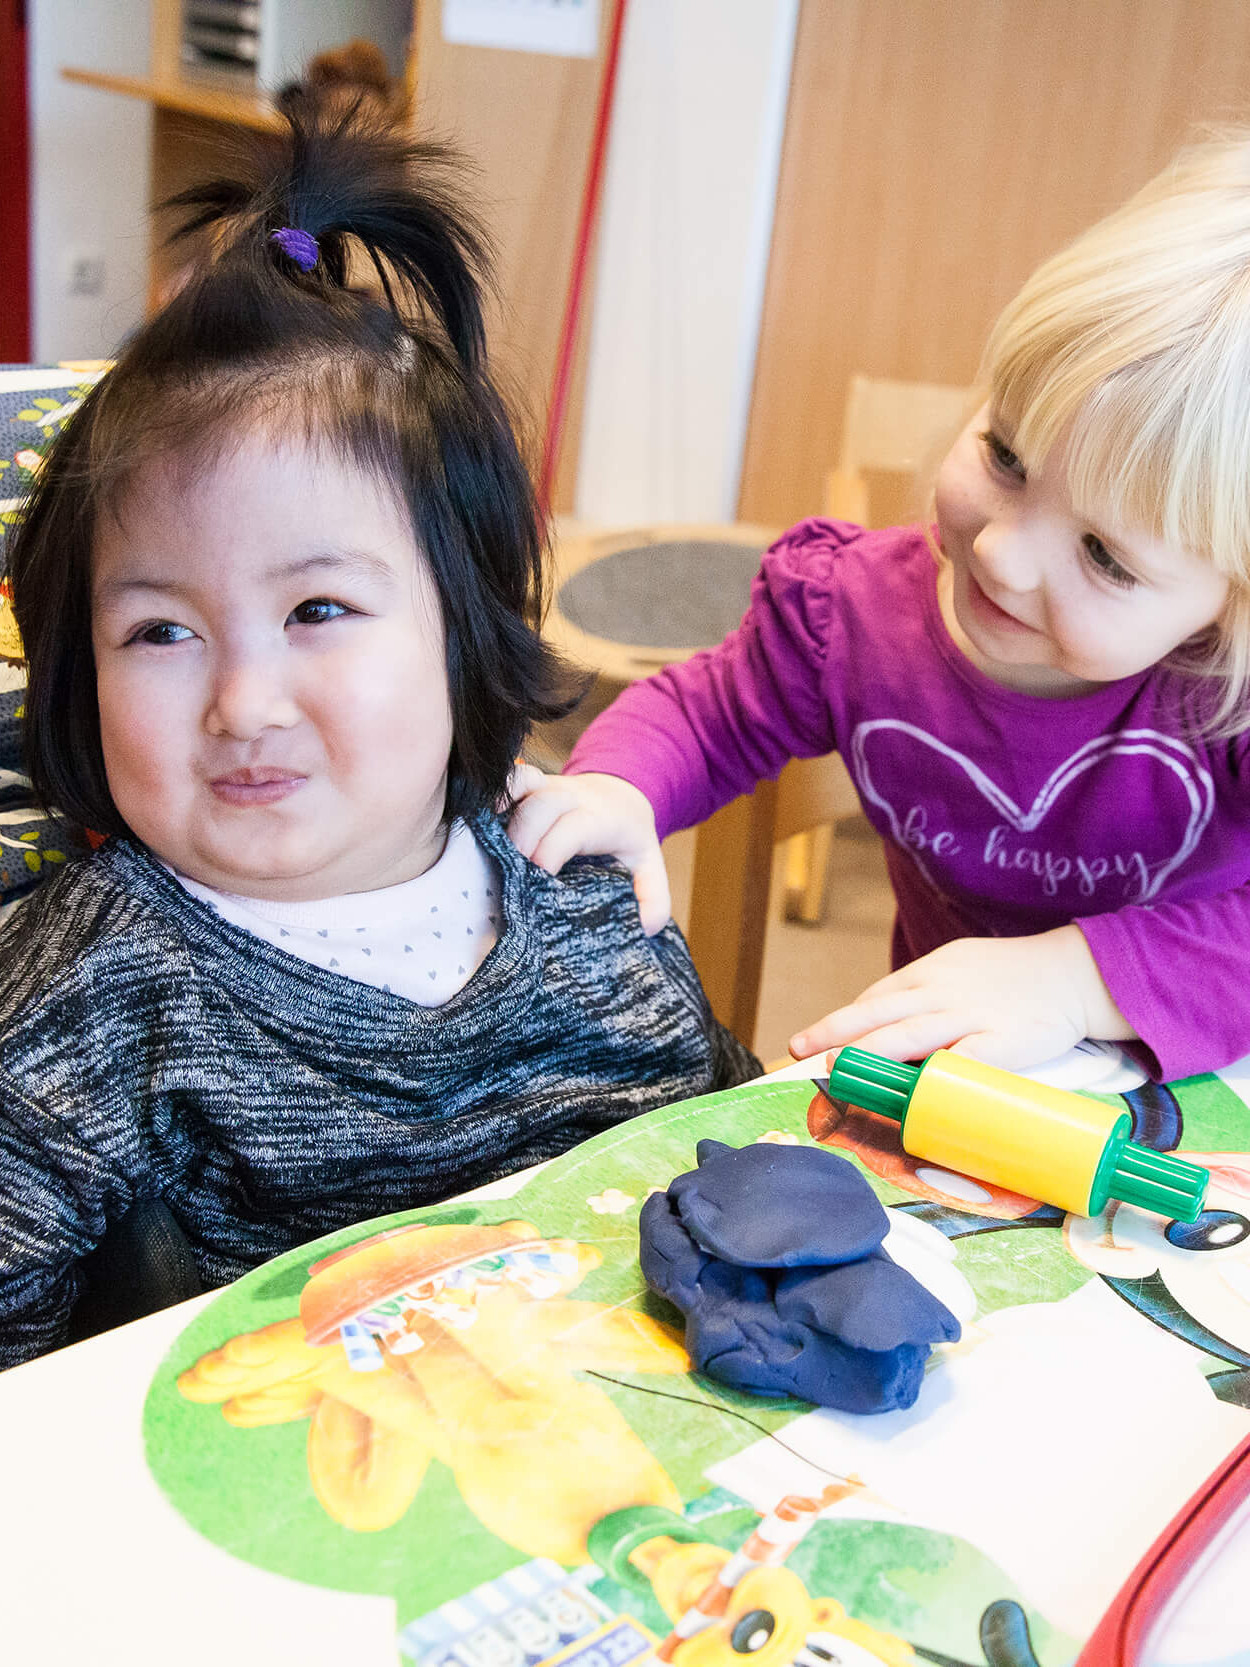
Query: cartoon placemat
{"points": [[479, 1410]]}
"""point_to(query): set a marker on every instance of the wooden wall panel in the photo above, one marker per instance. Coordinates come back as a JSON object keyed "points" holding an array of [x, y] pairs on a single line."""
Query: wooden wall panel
{"points": [[935, 151], [526, 120]]}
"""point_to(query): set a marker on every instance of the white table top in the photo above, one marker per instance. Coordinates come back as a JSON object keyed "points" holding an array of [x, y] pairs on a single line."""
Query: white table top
{"points": [[96, 1566]]}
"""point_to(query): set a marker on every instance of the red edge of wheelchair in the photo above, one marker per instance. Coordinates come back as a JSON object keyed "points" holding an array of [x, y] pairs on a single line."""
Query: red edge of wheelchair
{"points": [[1123, 1631]]}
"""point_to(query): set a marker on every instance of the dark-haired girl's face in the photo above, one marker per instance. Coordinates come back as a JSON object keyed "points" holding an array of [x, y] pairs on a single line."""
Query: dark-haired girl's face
{"points": [[272, 677]]}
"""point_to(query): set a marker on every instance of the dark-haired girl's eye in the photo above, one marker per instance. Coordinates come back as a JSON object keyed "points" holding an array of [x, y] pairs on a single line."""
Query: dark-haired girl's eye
{"points": [[1213, 1230], [163, 633], [318, 610], [1001, 456], [1098, 555]]}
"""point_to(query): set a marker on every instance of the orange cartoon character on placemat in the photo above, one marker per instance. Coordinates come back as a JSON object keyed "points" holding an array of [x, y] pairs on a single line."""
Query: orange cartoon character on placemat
{"points": [[875, 1141], [455, 1343], [729, 1604]]}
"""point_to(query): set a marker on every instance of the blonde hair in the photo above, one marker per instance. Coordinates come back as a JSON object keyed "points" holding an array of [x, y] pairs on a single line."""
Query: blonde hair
{"points": [[1133, 345]]}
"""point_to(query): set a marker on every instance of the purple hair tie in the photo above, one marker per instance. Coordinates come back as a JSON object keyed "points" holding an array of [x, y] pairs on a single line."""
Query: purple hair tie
{"points": [[299, 245]]}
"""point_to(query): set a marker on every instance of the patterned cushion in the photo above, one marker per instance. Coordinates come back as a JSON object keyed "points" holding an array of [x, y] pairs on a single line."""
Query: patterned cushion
{"points": [[32, 843], [35, 404]]}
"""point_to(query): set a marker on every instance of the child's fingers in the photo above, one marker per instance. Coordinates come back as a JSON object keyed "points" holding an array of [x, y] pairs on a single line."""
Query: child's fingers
{"points": [[855, 1021], [533, 819], [655, 903], [913, 1038], [573, 832], [1014, 1047], [828, 1032], [556, 820], [525, 778], [999, 1047]]}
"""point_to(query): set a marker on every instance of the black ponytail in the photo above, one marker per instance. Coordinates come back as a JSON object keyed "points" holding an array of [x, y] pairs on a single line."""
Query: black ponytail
{"points": [[366, 335], [354, 182]]}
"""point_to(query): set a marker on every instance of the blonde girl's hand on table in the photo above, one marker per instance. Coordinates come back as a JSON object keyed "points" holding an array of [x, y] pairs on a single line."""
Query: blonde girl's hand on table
{"points": [[558, 817], [1007, 1001]]}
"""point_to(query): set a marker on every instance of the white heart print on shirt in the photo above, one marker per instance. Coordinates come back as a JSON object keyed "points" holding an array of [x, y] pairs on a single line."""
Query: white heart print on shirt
{"points": [[977, 835]]}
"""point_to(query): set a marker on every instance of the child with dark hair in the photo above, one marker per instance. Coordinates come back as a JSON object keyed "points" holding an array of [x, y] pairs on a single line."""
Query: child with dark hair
{"points": [[279, 585], [348, 79]]}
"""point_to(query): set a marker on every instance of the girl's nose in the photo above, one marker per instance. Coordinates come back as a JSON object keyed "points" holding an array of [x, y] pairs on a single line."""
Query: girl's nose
{"points": [[1006, 555], [249, 696]]}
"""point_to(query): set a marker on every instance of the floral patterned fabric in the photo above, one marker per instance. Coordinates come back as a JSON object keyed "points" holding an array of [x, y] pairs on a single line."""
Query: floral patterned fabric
{"points": [[35, 404], [32, 843]]}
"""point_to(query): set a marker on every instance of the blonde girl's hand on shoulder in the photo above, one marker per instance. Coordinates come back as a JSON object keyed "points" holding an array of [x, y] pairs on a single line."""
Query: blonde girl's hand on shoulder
{"points": [[559, 817], [1012, 1002]]}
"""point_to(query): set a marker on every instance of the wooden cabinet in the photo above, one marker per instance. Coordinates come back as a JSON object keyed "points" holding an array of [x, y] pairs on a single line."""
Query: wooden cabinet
{"points": [[935, 151], [524, 122]]}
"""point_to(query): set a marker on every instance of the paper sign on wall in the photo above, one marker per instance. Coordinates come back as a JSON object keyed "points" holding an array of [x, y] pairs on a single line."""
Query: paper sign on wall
{"points": [[567, 27]]}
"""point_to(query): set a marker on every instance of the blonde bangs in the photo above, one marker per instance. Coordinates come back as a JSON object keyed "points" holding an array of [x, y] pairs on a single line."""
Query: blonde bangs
{"points": [[1131, 350], [1159, 443]]}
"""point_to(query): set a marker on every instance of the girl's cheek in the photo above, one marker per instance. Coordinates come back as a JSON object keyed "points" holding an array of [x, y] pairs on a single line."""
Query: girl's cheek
{"points": [[950, 512], [955, 492], [142, 711]]}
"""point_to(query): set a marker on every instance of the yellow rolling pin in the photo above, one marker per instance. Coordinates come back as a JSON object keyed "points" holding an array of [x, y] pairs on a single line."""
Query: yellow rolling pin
{"points": [[1026, 1136]]}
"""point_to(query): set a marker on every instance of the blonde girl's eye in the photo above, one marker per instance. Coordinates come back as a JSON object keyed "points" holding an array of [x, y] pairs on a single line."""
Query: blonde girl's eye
{"points": [[1002, 459], [318, 610], [161, 633], [1099, 557]]}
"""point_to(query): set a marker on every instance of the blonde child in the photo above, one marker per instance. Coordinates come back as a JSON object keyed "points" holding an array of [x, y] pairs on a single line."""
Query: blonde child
{"points": [[278, 585], [1048, 725]]}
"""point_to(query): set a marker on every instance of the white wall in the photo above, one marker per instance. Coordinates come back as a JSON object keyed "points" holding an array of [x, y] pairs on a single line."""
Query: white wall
{"points": [[89, 174], [683, 253]]}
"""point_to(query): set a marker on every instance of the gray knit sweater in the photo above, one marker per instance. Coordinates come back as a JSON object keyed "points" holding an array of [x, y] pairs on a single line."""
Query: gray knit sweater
{"points": [[150, 1049]]}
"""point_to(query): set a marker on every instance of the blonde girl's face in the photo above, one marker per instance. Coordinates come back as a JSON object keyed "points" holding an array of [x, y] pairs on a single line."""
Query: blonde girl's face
{"points": [[1043, 600], [271, 671]]}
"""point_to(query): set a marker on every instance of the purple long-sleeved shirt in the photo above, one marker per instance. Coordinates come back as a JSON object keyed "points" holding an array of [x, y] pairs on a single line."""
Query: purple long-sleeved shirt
{"points": [[1002, 813]]}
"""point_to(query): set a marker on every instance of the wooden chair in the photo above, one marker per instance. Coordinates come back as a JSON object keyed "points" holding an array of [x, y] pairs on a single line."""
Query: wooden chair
{"points": [[733, 850], [890, 428], [589, 622], [621, 602], [733, 865]]}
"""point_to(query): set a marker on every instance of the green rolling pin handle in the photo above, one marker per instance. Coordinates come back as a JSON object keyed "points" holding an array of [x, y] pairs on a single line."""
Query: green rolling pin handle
{"points": [[1158, 1181], [874, 1082]]}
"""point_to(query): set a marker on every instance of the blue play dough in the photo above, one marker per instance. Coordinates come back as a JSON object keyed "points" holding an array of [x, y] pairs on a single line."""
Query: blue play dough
{"points": [[768, 1206], [821, 1314], [873, 1304]]}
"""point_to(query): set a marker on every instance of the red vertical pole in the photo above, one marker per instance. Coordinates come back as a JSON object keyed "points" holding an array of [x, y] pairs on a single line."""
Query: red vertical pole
{"points": [[591, 192], [14, 186]]}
